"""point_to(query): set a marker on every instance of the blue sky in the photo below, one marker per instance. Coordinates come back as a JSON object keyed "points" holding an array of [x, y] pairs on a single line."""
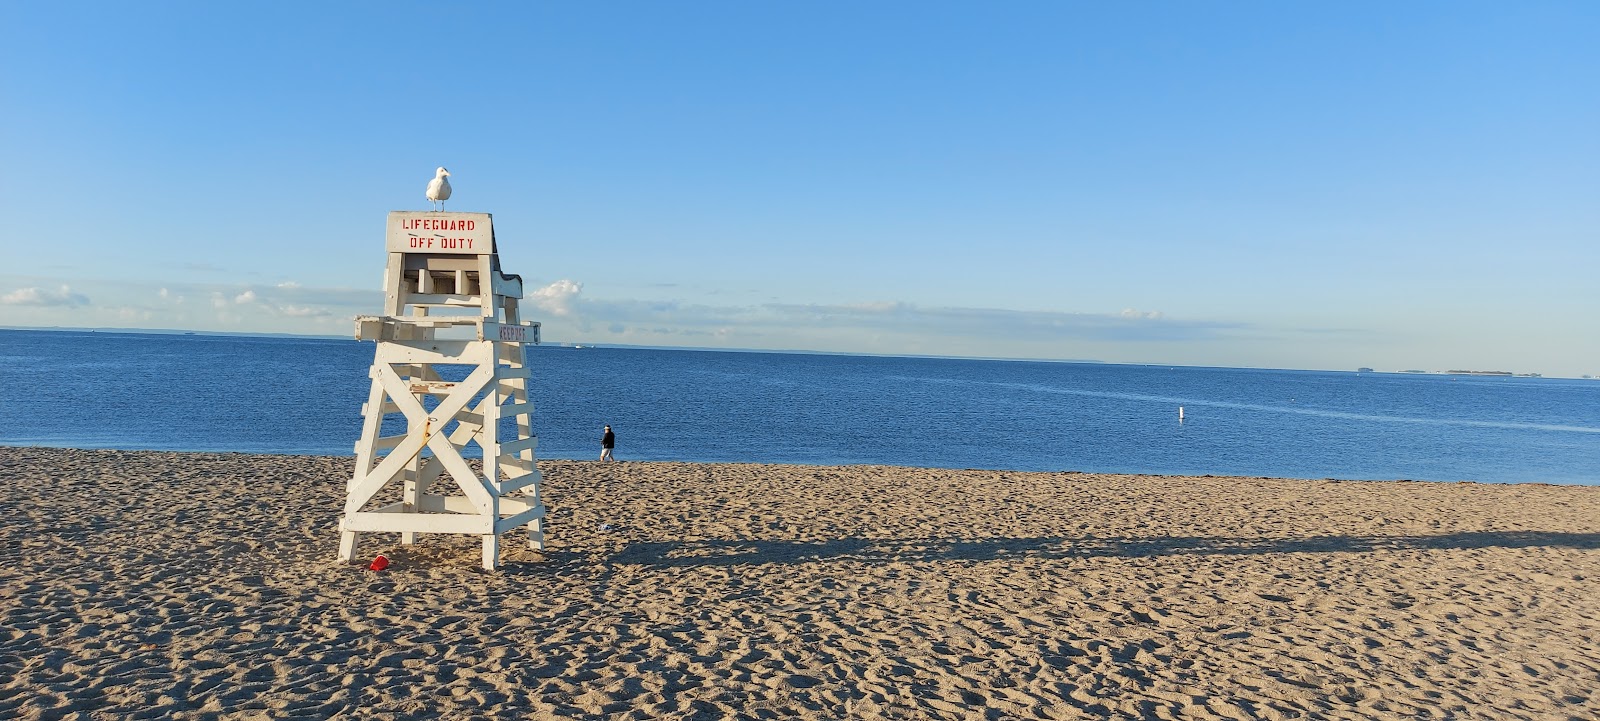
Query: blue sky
{"points": [[1396, 185]]}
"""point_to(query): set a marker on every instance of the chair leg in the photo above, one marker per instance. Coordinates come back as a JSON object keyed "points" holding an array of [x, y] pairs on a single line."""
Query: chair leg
{"points": [[347, 546], [536, 534], [491, 552]]}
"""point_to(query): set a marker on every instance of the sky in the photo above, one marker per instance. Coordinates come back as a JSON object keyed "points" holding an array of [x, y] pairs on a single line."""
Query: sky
{"points": [[1285, 185]]}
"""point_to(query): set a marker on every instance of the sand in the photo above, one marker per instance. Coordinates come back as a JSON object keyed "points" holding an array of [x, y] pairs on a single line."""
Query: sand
{"points": [[165, 585]]}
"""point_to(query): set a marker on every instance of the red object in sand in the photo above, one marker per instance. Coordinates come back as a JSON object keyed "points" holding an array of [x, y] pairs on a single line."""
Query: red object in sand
{"points": [[379, 563]]}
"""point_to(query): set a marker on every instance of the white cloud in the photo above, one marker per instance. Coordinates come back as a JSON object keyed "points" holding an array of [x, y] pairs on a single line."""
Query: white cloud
{"points": [[885, 306], [64, 297], [557, 298], [1136, 314], [271, 306]]}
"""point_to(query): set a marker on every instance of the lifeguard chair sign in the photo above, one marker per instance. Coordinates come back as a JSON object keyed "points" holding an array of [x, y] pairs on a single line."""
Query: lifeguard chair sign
{"points": [[447, 307]]}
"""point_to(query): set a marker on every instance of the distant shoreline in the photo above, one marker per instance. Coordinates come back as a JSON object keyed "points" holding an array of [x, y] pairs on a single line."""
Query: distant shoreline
{"points": [[588, 345]]}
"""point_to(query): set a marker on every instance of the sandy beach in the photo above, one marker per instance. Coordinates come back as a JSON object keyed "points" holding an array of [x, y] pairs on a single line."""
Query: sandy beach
{"points": [[168, 585]]}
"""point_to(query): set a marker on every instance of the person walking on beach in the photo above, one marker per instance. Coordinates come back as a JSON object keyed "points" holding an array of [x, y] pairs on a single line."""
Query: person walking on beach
{"points": [[607, 442]]}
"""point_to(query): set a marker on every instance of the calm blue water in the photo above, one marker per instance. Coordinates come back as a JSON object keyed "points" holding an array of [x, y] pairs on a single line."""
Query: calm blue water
{"points": [[303, 396]]}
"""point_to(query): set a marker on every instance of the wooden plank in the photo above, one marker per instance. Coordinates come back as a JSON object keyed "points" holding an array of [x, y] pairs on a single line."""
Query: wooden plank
{"points": [[460, 352], [347, 544], [449, 455], [486, 301], [507, 287], [460, 504], [384, 443], [369, 327], [468, 480], [400, 394], [470, 425], [491, 551], [370, 427], [520, 482], [510, 522], [428, 503], [432, 388], [516, 463], [444, 300], [365, 488], [489, 417], [513, 506], [517, 391], [508, 332], [408, 327], [516, 409], [439, 232], [508, 373], [431, 321], [511, 448], [394, 285], [418, 523], [431, 503], [388, 470], [420, 261], [385, 409], [464, 432]]}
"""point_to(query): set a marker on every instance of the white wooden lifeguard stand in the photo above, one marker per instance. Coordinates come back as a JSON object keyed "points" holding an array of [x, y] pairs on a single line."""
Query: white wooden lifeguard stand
{"points": [[446, 304]]}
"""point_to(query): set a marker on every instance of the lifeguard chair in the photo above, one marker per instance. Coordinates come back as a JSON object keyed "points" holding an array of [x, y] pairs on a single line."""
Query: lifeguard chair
{"points": [[447, 307]]}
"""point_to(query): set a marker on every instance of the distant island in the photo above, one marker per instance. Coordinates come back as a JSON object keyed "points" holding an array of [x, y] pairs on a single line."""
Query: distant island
{"points": [[1494, 373]]}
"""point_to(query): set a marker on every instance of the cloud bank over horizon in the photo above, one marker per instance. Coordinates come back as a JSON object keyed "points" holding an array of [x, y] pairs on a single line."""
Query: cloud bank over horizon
{"points": [[569, 314], [638, 320], [63, 297]]}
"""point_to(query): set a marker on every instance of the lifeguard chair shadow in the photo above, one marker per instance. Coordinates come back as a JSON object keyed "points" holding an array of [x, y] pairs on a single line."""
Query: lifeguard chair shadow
{"points": [[446, 304]]}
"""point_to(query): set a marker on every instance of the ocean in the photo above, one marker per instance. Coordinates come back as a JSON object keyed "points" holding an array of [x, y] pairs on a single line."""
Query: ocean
{"points": [[303, 396]]}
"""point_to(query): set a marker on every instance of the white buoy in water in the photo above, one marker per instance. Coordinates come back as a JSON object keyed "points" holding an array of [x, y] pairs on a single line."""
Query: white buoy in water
{"points": [[1180, 414]]}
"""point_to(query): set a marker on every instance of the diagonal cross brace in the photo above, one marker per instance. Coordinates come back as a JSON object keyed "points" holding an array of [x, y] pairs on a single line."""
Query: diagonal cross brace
{"points": [[368, 486]]}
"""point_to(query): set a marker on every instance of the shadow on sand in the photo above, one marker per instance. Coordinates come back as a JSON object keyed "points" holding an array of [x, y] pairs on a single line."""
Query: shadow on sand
{"points": [[901, 550]]}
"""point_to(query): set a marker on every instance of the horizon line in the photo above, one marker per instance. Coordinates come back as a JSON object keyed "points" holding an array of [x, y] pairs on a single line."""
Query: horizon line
{"points": [[799, 351]]}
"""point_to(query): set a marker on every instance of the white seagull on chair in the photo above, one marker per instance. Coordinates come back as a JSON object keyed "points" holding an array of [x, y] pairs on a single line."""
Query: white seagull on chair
{"points": [[439, 188]]}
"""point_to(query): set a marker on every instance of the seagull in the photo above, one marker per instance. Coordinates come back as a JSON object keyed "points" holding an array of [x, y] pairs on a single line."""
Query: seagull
{"points": [[439, 188]]}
